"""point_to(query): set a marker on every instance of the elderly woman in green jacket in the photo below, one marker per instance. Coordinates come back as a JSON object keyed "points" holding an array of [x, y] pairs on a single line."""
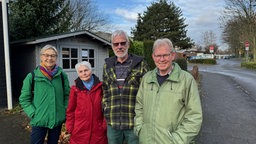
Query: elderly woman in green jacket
{"points": [[44, 97], [168, 108]]}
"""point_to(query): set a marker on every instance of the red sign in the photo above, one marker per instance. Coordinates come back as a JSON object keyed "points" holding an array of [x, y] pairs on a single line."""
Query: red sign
{"points": [[246, 44], [211, 49]]}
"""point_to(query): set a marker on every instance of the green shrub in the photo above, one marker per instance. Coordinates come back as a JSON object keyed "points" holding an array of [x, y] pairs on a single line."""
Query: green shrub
{"points": [[249, 65], [148, 53], [182, 63]]}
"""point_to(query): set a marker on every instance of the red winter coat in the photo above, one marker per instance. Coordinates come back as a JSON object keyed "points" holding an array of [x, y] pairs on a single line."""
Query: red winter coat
{"points": [[84, 120]]}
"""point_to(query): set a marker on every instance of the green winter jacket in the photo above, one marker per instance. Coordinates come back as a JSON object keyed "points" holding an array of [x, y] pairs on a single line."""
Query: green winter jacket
{"points": [[47, 107], [170, 113]]}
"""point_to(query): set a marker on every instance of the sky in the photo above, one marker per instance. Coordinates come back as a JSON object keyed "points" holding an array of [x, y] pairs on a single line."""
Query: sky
{"points": [[200, 16]]}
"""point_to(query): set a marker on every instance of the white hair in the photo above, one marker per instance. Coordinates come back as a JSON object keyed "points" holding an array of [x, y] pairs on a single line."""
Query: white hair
{"points": [[48, 46], [119, 33], [163, 41], [83, 63]]}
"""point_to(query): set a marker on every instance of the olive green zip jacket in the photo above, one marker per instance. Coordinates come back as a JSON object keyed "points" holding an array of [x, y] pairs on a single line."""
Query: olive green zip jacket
{"points": [[170, 113]]}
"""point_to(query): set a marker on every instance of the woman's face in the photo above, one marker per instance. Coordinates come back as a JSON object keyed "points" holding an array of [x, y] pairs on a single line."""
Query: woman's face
{"points": [[84, 73], [49, 59]]}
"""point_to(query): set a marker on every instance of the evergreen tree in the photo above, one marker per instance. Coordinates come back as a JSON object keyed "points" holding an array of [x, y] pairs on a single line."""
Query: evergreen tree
{"points": [[136, 47], [32, 18], [162, 20]]}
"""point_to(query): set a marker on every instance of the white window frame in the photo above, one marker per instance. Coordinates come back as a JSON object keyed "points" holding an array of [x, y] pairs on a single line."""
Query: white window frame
{"points": [[83, 53]]}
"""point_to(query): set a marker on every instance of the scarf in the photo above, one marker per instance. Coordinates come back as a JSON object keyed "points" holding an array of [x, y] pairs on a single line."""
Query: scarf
{"points": [[47, 73], [89, 84]]}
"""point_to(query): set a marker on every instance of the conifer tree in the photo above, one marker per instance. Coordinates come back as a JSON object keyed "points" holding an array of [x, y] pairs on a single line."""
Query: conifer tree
{"points": [[32, 18], [162, 20]]}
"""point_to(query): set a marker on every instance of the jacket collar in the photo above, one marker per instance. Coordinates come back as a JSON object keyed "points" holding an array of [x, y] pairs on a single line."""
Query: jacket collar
{"points": [[80, 85], [134, 58], [38, 73], [174, 76]]}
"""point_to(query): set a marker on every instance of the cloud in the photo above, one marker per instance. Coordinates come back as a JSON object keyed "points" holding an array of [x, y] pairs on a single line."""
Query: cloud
{"points": [[126, 14], [200, 16], [132, 9]]}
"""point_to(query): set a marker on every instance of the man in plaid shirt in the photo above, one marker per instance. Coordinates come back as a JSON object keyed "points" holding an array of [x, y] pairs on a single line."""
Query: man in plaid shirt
{"points": [[122, 74]]}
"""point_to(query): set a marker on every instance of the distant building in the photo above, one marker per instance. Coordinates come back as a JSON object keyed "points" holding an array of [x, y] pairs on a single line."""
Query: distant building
{"points": [[187, 53]]}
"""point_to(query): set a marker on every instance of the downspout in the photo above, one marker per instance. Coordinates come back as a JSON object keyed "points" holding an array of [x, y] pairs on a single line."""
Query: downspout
{"points": [[7, 55]]}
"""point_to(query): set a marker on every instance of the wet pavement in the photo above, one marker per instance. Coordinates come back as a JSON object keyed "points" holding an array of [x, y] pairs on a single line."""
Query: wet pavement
{"points": [[229, 113]]}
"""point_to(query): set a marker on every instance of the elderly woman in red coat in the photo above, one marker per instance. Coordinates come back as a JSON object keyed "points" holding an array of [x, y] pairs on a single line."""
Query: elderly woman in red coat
{"points": [[84, 120]]}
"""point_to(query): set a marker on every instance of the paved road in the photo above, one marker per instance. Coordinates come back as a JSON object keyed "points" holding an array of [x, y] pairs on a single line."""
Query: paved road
{"points": [[245, 78], [229, 113], [229, 109]]}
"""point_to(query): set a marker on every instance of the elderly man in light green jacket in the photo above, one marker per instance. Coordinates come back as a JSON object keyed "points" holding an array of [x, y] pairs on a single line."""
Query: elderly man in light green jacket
{"points": [[168, 108]]}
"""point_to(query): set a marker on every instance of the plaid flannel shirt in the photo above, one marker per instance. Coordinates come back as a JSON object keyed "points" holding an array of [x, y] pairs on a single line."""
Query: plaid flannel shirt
{"points": [[119, 105]]}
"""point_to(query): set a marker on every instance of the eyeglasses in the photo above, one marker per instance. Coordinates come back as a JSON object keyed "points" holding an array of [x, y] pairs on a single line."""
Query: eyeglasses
{"points": [[164, 56], [121, 43], [48, 55]]}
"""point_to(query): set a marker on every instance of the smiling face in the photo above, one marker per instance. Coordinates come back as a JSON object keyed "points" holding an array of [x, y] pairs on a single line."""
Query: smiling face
{"points": [[48, 59], [163, 58], [84, 73], [120, 46]]}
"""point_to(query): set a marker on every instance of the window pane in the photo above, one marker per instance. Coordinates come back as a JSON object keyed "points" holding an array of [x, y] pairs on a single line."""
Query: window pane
{"points": [[65, 52], [91, 61], [73, 63], [65, 63], [73, 53], [91, 53], [84, 53], [85, 60]]}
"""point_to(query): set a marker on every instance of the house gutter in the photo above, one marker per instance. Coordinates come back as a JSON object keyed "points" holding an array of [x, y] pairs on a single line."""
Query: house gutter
{"points": [[6, 54]]}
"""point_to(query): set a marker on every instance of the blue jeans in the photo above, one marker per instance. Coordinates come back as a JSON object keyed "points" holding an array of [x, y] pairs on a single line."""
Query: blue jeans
{"points": [[38, 135], [118, 136]]}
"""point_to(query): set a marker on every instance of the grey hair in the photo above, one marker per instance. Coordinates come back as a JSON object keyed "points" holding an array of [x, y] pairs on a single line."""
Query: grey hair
{"points": [[118, 33], [83, 63], [163, 41], [47, 47]]}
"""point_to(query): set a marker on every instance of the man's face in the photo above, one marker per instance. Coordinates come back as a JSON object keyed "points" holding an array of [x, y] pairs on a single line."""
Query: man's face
{"points": [[163, 58], [120, 46]]}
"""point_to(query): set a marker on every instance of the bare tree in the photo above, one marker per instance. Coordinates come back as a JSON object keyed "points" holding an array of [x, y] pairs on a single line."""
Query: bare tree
{"points": [[234, 34], [239, 23], [209, 38], [86, 16]]}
